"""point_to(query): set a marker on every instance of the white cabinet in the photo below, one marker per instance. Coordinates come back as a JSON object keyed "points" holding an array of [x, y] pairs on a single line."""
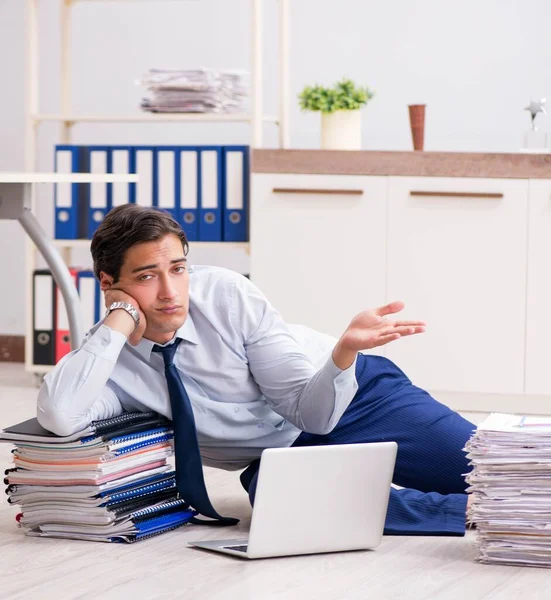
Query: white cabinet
{"points": [[457, 251], [538, 322], [318, 246], [468, 255]]}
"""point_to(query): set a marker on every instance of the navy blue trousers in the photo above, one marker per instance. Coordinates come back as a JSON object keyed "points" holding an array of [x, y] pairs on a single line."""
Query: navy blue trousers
{"points": [[430, 464]]}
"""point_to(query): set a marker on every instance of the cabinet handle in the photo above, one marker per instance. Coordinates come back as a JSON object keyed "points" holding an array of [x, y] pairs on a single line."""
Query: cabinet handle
{"points": [[457, 194], [317, 191]]}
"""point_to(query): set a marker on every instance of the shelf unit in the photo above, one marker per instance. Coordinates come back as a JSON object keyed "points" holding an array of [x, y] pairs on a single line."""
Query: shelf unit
{"points": [[86, 244], [70, 120], [67, 118]]}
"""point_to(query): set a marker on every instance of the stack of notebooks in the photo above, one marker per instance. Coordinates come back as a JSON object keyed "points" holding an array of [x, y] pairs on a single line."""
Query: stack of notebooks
{"points": [[108, 483], [195, 91], [511, 483]]}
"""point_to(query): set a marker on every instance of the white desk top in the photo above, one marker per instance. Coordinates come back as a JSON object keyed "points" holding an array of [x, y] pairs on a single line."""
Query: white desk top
{"points": [[66, 178]]}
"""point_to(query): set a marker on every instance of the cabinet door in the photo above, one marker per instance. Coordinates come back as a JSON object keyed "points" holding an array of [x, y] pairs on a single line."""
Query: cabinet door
{"points": [[318, 246], [457, 254], [538, 324]]}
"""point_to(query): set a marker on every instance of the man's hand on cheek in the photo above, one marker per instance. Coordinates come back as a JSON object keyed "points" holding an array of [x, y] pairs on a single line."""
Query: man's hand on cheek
{"points": [[115, 294]]}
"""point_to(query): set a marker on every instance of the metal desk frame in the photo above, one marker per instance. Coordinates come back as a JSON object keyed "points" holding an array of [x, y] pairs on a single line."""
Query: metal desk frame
{"points": [[16, 190]]}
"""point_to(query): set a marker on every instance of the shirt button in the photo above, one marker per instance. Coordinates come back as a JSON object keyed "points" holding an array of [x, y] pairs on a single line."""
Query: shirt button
{"points": [[261, 425], [105, 342], [236, 410]]}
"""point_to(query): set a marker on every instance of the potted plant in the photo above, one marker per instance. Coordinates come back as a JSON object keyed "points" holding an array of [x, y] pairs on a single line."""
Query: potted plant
{"points": [[340, 107]]}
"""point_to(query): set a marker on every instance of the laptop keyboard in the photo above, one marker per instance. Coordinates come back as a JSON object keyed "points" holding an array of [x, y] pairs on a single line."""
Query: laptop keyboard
{"points": [[242, 548]]}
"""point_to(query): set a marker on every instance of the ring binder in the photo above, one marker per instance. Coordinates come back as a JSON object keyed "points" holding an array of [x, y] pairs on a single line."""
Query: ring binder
{"points": [[210, 194]]}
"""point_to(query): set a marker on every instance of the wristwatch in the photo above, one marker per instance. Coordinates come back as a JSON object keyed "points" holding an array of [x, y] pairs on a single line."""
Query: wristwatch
{"points": [[131, 310]]}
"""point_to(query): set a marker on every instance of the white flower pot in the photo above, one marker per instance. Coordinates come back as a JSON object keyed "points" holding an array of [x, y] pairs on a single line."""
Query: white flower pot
{"points": [[341, 130]]}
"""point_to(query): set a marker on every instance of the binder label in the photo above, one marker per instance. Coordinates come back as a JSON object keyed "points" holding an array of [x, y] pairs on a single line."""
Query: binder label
{"points": [[144, 169], [64, 164], [209, 180], [234, 181], [121, 165], [98, 191], [167, 175], [43, 304]]}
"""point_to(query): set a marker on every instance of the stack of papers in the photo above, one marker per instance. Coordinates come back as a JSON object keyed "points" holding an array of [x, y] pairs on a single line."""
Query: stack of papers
{"points": [[511, 483], [110, 482], [195, 91]]}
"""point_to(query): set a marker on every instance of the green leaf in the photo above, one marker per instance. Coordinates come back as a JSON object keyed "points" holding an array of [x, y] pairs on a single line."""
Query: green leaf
{"points": [[344, 95]]}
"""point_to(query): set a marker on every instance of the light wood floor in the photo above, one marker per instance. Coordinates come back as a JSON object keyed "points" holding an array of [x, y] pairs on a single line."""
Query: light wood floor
{"points": [[163, 567]]}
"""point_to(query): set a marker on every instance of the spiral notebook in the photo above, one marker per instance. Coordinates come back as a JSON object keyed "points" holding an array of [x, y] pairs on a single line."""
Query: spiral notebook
{"points": [[31, 430], [91, 495], [115, 504], [87, 490], [16, 476], [140, 524], [109, 444]]}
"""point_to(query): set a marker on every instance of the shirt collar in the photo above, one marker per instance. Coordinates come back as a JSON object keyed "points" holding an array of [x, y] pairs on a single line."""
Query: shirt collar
{"points": [[186, 332]]}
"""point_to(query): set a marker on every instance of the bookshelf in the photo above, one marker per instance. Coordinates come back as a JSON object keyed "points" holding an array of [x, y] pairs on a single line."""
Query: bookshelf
{"points": [[67, 118]]}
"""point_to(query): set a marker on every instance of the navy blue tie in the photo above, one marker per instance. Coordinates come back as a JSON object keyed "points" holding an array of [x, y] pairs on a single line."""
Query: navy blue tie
{"points": [[189, 469]]}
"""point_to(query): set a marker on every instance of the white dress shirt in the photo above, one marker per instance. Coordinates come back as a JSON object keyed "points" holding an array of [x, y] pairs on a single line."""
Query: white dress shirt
{"points": [[253, 381]]}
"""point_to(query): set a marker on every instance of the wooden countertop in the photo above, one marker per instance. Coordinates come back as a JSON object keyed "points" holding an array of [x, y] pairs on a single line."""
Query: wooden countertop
{"points": [[410, 164]]}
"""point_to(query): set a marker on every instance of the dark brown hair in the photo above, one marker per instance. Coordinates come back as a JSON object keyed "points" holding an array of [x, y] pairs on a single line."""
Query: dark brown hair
{"points": [[125, 226]]}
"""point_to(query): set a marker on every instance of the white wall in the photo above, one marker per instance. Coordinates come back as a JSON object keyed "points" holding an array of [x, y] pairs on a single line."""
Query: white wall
{"points": [[475, 64], [12, 247]]}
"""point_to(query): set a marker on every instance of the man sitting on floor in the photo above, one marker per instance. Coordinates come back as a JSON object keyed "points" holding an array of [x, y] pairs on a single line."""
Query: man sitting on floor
{"points": [[204, 347]]}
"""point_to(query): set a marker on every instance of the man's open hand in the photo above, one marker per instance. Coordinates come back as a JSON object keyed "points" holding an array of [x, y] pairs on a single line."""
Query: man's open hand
{"points": [[370, 329]]}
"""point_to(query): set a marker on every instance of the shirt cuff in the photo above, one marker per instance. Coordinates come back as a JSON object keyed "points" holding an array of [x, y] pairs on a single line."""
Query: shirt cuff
{"points": [[344, 382], [106, 343], [344, 386], [340, 374]]}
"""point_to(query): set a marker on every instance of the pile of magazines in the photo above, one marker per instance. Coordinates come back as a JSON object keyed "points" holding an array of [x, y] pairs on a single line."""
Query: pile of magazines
{"points": [[194, 91], [511, 483]]}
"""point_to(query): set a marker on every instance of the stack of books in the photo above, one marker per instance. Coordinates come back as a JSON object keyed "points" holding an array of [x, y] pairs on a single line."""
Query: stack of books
{"points": [[511, 483], [195, 91], [111, 482]]}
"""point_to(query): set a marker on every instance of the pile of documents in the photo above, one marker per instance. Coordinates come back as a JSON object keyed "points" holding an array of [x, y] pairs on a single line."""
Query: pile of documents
{"points": [[111, 482], [194, 91], [511, 483]]}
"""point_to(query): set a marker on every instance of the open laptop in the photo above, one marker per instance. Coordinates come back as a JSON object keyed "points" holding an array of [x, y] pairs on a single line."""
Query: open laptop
{"points": [[316, 499]]}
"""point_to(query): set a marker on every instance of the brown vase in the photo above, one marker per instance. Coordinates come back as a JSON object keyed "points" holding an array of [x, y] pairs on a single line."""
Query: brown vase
{"points": [[417, 123]]}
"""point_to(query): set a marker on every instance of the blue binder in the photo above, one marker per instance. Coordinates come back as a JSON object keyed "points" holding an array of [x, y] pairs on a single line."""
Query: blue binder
{"points": [[210, 194], [166, 167], [143, 164], [187, 191], [99, 194], [70, 198], [121, 164], [236, 193]]}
